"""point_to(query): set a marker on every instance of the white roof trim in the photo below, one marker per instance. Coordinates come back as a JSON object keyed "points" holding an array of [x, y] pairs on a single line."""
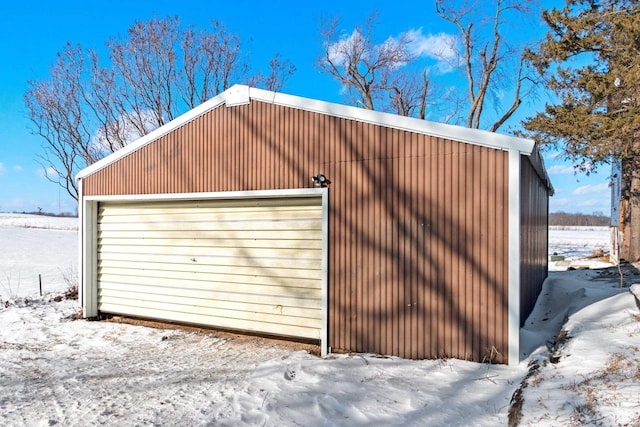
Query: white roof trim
{"points": [[457, 133], [240, 95]]}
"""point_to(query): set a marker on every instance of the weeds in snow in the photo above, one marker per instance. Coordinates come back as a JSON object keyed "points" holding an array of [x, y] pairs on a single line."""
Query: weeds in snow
{"points": [[583, 414], [622, 367], [9, 287], [70, 277]]}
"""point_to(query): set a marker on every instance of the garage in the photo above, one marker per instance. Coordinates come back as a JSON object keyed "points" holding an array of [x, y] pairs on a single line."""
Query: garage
{"points": [[270, 213]]}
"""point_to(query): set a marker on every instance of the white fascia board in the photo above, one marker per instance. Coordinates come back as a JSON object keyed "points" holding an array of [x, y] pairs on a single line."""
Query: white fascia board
{"points": [[514, 258], [442, 130]]}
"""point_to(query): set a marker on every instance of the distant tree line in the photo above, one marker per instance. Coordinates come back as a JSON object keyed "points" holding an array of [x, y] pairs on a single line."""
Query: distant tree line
{"points": [[40, 211], [567, 218]]}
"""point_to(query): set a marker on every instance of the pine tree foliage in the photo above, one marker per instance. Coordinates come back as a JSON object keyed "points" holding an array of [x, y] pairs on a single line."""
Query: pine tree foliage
{"points": [[591, 61]]}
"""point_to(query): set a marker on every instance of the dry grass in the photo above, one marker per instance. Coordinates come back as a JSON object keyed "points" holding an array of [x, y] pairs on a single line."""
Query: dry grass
{"points": [[622, 367]]}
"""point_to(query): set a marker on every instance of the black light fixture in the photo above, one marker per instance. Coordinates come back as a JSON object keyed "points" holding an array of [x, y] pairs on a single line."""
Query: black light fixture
{"points": [[320, 180]]}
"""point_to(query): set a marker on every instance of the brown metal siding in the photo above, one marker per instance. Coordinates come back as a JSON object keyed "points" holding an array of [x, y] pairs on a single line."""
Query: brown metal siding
{"points": [[534, 226], [418, 225]]}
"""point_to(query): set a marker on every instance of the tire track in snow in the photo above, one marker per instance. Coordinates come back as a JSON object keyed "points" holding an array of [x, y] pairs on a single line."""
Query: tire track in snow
{"points": [[123, 374]]}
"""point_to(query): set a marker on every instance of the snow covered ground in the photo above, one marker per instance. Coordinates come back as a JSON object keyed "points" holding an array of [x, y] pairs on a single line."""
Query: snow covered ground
{"points": [[576, 243], [57, 370], [33, 245]]}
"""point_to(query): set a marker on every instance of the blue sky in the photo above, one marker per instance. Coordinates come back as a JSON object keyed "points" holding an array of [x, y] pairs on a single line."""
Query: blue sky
{"points": [[32, 32]]}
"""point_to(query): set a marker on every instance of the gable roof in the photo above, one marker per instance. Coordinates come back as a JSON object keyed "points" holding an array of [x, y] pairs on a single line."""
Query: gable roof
{"points": [[241, 95]]}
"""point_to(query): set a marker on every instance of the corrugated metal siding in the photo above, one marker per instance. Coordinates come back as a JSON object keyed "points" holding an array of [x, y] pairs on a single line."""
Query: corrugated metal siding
{"points": [[418, 225], [534, 236], [254, 265]]}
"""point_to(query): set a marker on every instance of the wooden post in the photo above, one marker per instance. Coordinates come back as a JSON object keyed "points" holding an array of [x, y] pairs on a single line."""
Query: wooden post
{"points": [[40, 281]]}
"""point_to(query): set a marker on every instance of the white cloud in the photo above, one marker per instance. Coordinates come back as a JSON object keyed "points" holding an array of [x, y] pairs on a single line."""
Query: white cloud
{"points": [[552, 155], [122, 131], [441, 46], [17, 168], [561, 170], [589, 203], [592, 189], [339, 51], [3, 170], [563, 201]]}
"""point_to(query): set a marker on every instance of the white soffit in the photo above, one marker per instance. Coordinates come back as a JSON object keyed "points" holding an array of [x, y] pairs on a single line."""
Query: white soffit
{"points": [[241, 95]]}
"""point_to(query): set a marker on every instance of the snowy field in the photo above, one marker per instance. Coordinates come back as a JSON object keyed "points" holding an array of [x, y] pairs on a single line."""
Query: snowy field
{"points": [[55, 370], [33, 245], [578, 242]]}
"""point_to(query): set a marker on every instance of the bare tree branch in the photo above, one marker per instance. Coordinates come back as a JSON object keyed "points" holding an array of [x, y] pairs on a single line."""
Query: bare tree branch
{"points": [[485, 61], [372, 72], [86, 110]]}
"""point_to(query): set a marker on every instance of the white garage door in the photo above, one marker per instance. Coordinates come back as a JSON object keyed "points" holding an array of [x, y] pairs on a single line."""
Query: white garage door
{"points": [[253, 265]]}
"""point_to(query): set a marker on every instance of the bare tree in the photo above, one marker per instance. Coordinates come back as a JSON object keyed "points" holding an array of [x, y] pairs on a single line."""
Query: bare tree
{"points": [[146, 64], [408, 94], [490, 64], [389, 75], [211, 62], [86, 110], [373, 73], [279, 70], [57, 114]]}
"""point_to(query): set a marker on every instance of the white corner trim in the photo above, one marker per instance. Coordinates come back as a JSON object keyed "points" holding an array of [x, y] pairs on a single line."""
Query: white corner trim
{"points": [[324, 334], [514, 258], [88, 256], [81, 246]]}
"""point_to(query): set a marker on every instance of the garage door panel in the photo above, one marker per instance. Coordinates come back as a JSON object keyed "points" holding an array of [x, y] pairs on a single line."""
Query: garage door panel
{"points": [[213, 234], [236, 215], [218, 243], [201, 280], [181, 286], [220, 263], [208, 310], [197, 271], [196, 252], [168, 206], [281, 309], [259, 326], [272, 295], [228, 226], [256, 264]]}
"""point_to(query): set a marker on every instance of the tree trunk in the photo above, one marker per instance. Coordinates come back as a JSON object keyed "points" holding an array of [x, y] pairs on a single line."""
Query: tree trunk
{"points": [[630, 220]]}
